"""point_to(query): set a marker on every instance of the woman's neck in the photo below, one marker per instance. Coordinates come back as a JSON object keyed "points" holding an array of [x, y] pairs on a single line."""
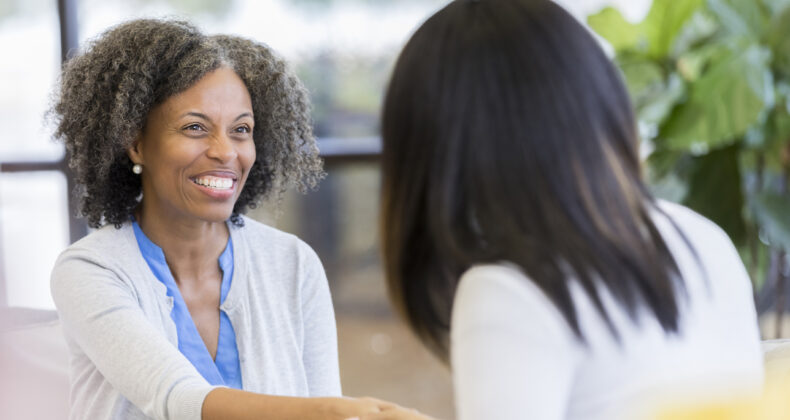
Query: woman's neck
{"points": [[191, 247]]}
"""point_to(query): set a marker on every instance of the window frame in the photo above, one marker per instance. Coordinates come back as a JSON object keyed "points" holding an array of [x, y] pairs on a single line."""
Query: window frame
{"points": [[67, 18]]}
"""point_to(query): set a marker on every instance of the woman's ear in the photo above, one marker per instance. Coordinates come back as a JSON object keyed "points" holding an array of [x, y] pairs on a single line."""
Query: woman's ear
{"points": [[135, 151]]}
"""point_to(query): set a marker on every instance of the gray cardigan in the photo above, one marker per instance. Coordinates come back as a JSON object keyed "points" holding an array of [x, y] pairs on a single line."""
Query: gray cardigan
{"points": [[125, 362]]}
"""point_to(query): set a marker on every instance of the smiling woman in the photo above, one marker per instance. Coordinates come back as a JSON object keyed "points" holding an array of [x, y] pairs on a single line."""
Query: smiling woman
{"points": [[140, 71], [177, 306]]}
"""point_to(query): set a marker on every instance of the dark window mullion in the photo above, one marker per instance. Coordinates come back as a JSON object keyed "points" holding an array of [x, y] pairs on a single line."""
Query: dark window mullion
{"points": [[30, 166], [67, 14]]}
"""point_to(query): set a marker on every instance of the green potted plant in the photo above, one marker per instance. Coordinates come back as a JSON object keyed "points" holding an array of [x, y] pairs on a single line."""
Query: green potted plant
{"points": [[710, 82]]}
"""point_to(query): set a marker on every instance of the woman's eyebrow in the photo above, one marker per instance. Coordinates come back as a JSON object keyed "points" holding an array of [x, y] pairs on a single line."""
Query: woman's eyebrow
{"points": [[205, 117], [196, 114], [246, 114]]}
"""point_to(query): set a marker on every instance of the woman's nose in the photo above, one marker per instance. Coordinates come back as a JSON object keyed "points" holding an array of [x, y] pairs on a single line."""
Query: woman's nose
{"points": [[221, 148]]}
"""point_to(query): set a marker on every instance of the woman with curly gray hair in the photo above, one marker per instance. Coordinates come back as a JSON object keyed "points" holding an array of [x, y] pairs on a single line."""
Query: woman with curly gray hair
{"points": [[177, 306]]}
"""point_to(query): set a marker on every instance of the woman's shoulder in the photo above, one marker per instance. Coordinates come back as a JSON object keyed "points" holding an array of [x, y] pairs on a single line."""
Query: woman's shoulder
{"points": [[681, 226], [280, 245], [504, 276], [255, 230], [258, 233], [498, 305], [104, 253], [502, 291], [105, 243], [691, 223]]}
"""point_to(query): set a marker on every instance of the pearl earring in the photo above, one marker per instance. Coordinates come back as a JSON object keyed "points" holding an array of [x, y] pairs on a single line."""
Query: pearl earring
{"points": [[137, 168]]}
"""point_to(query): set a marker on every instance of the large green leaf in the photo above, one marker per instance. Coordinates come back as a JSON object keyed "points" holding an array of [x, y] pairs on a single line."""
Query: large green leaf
{"points": [[691, 64], [641, 74], [773, 213], [657, 105], [724, 102], [664, 22], [741, 17], [699, 30], [658, 30], [715, 191], [652, 94], [611, 25]]}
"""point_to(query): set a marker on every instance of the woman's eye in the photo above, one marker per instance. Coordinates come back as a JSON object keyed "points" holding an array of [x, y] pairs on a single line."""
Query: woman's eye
{"points": [[243, 129], [194, 127]]}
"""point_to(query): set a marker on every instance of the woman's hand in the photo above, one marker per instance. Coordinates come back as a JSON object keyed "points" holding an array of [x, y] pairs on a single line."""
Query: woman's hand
{"points": [[331, 408], [225, 403], [393, 412]]}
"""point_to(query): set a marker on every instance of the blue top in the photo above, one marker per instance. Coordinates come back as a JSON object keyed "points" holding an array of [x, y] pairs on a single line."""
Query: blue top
{"points": [[226, 369]]}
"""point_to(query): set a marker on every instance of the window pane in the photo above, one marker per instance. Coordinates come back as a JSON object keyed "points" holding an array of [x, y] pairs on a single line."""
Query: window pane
{"points": [[30, 36], [341, 49], [33, 230]]}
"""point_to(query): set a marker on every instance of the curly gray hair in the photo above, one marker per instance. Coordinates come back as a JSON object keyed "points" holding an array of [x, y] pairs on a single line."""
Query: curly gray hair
{"points": [[106, 93]]}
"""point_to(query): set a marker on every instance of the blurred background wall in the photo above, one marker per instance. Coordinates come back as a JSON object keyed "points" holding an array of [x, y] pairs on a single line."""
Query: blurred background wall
{"points": [[343, 50]]}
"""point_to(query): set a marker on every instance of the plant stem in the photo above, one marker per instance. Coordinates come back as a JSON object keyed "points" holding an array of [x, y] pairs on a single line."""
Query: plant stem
{"points": [[777, 272]]}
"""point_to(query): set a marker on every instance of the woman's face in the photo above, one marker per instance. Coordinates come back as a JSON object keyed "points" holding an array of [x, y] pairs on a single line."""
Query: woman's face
{"points": [[197, 149]]}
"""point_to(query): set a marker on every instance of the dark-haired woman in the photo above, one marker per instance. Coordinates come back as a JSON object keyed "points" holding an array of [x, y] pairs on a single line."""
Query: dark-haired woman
{"points": [[177, 306], [521, 243]]}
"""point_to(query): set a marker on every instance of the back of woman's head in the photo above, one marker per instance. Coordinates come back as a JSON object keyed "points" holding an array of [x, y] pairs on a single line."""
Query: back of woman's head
{"points": [[106, 93], [508, 136]]}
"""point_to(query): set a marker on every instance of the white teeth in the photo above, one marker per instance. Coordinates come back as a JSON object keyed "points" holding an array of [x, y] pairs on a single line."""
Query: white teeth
{"points": [[215, 182]]}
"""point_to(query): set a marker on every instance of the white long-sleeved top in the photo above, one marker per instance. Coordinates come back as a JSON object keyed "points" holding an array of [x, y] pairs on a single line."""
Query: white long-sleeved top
{"points": [[514, 357]]}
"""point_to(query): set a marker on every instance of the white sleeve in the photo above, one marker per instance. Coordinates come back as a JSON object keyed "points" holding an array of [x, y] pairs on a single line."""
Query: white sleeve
{"points": [[513, 356], [102, 316], [319, 349]]}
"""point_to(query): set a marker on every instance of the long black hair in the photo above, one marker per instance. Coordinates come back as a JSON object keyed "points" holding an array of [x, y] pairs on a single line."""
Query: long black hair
{"points": [[508, 136]]}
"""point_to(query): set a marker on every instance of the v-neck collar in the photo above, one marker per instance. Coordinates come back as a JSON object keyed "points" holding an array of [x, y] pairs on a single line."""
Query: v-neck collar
{"points": [[189, 341]]}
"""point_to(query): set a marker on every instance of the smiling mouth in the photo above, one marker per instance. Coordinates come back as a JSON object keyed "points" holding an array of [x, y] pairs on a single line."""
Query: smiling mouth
{"points": [[214, 182]]}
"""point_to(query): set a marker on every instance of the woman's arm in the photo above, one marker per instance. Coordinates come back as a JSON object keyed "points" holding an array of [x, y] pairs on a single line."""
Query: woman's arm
{"points": [[395, 413], [102, 315], [227, 403]]}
